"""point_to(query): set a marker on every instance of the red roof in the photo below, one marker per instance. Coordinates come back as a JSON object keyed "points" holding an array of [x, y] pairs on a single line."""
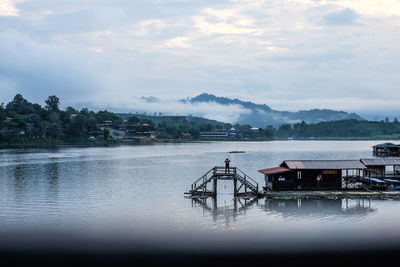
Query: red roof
{"points": [[274, 170]]}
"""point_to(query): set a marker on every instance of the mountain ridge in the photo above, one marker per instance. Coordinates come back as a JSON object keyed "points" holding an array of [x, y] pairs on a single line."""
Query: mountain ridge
{"points": [[262, 115]]}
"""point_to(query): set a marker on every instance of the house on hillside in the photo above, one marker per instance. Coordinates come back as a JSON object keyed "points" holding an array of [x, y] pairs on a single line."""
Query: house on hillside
{"points": [[214, 135]]}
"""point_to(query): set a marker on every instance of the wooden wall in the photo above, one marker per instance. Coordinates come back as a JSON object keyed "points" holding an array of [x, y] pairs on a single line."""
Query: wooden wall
{"points": [[331, 179]]}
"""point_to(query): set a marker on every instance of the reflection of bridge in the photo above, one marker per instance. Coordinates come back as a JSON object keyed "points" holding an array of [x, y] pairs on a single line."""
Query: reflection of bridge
{"points": [[321, 208], [239, 207]]}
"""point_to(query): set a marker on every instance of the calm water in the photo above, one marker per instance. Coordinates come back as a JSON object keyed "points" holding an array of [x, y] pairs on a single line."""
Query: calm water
{"points": [[136, 194]]}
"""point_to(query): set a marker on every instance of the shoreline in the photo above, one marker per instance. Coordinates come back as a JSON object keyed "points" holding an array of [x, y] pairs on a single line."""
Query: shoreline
{"points": [[315, 195], [333, 194], [59, 144]]}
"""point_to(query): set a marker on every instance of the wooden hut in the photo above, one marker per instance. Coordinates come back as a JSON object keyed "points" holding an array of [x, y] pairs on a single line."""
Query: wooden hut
{"points": [[382, 167], [386, 150], [311, 174]]}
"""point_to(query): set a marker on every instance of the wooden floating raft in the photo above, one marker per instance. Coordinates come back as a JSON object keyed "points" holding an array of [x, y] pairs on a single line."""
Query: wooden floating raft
{"points": [[244, 186]]}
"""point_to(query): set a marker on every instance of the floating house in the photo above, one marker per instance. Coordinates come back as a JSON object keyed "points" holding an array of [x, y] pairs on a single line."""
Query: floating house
{"points": [[312, 174], [382, 167], [386, 150]]}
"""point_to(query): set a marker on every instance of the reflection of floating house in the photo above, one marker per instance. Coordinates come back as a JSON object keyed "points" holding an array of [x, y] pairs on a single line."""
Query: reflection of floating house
{"points": [[321, 208], [312, 174], [382, 167], [386, 150]]}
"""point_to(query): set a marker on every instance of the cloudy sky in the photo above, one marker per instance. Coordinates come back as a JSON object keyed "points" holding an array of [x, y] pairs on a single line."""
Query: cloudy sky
{"points": [[289, 54]]}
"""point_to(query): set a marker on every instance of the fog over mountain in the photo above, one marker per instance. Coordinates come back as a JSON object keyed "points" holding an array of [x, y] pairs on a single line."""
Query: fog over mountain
{"points": [[261, 115]]}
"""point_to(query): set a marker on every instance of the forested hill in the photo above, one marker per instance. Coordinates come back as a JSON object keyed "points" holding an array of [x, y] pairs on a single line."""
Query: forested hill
{"points": [[262, 115], [175, 120]]}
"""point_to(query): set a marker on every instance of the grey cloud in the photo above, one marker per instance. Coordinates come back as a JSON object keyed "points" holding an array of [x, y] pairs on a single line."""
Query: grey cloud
{"points": [[45, 53], [38, 70], [150, 99], [344, 17]]}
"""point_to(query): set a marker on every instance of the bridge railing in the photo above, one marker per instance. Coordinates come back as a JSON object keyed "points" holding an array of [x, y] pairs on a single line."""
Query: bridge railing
{"points": [[223, 170], [203, 179], [248, 178]]}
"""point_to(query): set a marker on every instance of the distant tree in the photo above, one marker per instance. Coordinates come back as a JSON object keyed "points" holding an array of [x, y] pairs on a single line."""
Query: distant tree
{"points": [[195, 133], [285, 130], [19, 105], [106, 133], [80, 125], [268, 132], [387, 120], [133, 120], [42, 126], [71, 110], [52, 104], [18, 121], [85, 112], [271, 128], [105, 115], [3, 114]]}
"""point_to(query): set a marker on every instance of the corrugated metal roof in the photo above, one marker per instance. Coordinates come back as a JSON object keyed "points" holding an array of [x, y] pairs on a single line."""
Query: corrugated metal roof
{"points": [[274, 170], [387, 145], [381, 161], [323, 164]]}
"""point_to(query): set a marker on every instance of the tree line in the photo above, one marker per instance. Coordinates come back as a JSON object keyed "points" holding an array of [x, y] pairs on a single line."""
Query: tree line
{"points": [[340, 129], [22, 122]]}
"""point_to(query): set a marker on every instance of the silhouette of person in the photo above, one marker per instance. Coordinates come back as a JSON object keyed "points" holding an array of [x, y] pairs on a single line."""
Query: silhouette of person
{"points": [[227, 165]]}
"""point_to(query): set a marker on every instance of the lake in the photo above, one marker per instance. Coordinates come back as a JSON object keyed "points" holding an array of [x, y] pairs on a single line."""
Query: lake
{"points": [[133, 196]]}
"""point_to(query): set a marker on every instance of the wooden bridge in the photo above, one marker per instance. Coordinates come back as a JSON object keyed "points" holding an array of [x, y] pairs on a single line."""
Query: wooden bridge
{"points": [[247, 186]]}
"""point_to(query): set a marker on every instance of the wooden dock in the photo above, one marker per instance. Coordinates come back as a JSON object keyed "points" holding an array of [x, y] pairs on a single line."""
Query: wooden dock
{"points": [[332, 194], [206, 185]]}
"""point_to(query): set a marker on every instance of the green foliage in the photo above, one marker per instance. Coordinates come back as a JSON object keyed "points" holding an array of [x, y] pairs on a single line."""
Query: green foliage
{"points": [[52, 104], [19, 105], [50, 124], [103, 116], [340, 129], [133, 120]]}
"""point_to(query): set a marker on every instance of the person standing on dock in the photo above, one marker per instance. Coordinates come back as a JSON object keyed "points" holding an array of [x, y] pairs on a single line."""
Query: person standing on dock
{"points": [[227, 165]]}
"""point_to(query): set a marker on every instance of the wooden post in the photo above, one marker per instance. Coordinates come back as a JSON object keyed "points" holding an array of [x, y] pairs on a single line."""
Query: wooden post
{"points": [[235, 186], [215, 186], [245, 184]]}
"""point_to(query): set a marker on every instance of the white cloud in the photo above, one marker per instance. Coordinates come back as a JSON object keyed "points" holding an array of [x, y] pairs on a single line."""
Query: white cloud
{"points": [[178, 42], [225, 21], [8, 7], [210, 110]]}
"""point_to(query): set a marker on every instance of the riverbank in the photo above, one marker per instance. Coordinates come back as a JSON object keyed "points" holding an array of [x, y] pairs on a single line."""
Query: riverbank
{"points": [[68, 142]]}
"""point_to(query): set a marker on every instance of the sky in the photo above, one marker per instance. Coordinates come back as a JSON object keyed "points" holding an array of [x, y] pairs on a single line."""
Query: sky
{"points": [[288, 54]]}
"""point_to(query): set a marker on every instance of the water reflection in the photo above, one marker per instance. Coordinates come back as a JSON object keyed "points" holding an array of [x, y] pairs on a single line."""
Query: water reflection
{"points": [[52, 175], [329, 209], [142, 186], [226, 213], [20, 183]]}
